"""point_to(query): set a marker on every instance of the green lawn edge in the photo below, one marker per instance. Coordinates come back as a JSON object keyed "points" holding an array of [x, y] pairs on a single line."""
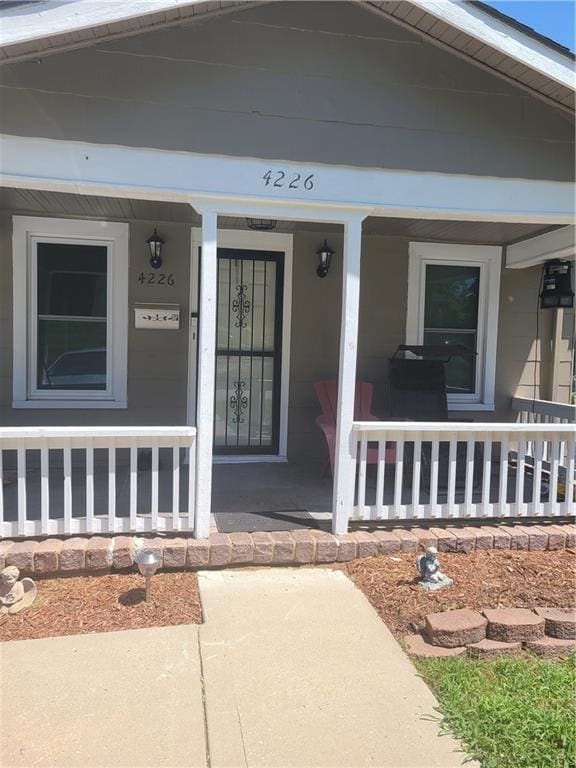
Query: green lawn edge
{"points": [[508, 713]]}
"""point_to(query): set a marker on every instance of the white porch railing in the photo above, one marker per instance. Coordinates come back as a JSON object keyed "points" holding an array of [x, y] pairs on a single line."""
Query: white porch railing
{"points": [[68, 480], [543, 411], [460, 470]]}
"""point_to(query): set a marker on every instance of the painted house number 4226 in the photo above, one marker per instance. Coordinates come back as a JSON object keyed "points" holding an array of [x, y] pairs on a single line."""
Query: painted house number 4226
{"points": [[291, 180]]}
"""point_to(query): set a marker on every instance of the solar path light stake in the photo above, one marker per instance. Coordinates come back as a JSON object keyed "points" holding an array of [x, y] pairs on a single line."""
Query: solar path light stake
{"points": [[147, 563]]}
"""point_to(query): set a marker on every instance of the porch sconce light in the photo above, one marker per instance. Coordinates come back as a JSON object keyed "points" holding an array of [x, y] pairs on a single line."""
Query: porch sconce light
{"points": [[155, 244], [147, 563], [261, 225], [557, 285], [324, 254]]}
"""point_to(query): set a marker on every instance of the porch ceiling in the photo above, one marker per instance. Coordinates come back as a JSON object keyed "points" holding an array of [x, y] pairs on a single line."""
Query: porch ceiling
{"points": [[35, 202]]}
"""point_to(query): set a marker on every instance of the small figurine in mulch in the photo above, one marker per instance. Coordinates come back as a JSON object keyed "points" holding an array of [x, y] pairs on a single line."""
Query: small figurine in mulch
{"points": [[15, 595], [432, 577]]}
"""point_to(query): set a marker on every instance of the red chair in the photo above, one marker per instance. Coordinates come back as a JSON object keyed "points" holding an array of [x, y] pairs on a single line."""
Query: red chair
{"points": [[327, 394]]}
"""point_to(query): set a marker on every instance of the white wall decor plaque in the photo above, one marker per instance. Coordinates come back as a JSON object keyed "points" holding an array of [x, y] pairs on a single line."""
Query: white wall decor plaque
{"points": [[163, 316]]}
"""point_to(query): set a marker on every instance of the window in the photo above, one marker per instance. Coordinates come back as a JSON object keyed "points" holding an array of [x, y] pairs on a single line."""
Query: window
{"points": [[453, 293], [70, 313]]}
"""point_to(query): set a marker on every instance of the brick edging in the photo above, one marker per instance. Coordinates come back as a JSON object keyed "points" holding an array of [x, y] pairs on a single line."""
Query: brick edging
{"points": [[300, 547]]}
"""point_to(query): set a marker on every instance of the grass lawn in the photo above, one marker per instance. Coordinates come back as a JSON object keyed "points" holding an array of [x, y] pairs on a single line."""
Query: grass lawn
{"points": [[510, 713]]}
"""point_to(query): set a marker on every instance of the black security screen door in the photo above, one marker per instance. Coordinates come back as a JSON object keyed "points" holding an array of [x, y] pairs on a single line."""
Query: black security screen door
{"points": [[248, 351]]}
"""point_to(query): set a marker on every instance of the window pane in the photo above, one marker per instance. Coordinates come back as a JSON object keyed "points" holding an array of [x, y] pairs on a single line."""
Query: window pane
{"points": [[72, 279], [72, 328], [71, 354], [460, 371], [451, 298]]}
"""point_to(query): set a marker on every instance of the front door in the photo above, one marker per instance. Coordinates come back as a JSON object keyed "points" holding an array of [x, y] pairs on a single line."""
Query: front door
{"points": [[248, 351]]}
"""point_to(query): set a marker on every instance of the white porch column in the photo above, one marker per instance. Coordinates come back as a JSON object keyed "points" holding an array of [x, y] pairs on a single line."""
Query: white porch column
{"points": [[345, 456], [206, 373]]}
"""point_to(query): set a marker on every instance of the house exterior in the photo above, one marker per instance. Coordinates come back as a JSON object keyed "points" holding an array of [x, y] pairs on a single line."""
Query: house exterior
{"points": [[430, 146]]}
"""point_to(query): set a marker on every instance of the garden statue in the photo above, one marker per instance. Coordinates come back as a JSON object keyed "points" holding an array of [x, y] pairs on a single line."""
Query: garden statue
{"points": [[432, 577], [15, 595]]}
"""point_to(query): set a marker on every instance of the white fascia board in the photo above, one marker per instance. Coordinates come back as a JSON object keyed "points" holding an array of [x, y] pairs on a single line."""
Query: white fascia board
{"points": [[558, 244], [502, 37], [233, 184], [24, 24]]}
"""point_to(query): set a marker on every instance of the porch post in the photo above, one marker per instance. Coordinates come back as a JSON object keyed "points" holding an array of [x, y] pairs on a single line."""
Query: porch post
{"points": [[345, 455], [206, 373]]}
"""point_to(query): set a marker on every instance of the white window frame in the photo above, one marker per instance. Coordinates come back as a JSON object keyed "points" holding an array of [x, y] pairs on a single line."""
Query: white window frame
{"points": [[489, 259], [27, 232]]}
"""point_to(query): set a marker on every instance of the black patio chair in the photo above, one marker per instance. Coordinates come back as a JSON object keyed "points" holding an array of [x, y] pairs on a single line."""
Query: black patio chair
{"points": [[418, 393]]}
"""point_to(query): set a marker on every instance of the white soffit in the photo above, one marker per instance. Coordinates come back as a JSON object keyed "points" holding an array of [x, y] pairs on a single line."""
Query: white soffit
{"points": [[558, 244], [502, 37]]}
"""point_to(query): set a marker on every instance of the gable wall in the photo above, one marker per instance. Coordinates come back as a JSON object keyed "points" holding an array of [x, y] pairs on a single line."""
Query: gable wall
{"points": [[323, 82]]}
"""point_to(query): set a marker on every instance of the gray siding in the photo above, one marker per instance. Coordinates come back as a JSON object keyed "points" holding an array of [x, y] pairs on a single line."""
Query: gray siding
{"points": [[157, 360], [317, 82]]}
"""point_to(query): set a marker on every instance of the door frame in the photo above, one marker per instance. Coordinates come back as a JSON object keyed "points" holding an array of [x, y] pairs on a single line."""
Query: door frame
{"points": [[252, 241]]}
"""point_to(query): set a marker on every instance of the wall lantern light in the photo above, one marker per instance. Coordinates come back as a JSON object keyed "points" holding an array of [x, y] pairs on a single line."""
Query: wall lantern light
{"points": [[324, 254], [557, 285], [155, 244], [147, 563], [261, 225]]}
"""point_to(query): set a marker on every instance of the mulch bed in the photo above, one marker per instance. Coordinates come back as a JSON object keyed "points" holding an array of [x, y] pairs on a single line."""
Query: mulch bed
{"points": [[82, 604], [489, 579]]}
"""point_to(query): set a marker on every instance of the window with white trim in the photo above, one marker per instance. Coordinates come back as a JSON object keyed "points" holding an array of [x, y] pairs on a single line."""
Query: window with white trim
{"points": [[453, 298], [70, 313]]}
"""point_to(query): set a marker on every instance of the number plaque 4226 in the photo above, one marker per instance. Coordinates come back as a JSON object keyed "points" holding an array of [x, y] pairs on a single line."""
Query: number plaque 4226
{"points": [[290, 180]]}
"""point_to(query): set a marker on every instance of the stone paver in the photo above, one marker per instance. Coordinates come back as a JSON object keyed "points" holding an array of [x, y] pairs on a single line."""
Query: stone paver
{"points": [[452, 629], [416, 645], [300, 547], [558, 622], [388, 542], [512, 625], [46, 556], [299, 670], [487, 649], [551, 647]]}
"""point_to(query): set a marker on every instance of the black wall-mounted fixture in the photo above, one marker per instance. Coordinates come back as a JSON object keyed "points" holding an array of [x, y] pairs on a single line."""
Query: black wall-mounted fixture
{"points": [[324, 254], [155, 244], [261, 225], [557, 285]]}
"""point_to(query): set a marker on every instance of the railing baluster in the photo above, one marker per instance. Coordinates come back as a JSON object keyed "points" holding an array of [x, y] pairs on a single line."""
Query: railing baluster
{"points": [[111, 485], [554, 466], [487, 477], [537, 479], [434, 475], [133, 487], [67, 486], [520, 472], [191, 483], [154, 488], [176, 487], [398, 478], [569, 505], [90, 487], [44, 487], [469, 479], [416, 471], [503, 476], [1, 493], [380, 478], [362, 478], [451, 497], [22, 503]]}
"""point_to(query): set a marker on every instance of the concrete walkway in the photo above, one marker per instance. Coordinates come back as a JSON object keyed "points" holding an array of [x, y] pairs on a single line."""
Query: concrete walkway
{"points": [[295, 667], [300, 671]]}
